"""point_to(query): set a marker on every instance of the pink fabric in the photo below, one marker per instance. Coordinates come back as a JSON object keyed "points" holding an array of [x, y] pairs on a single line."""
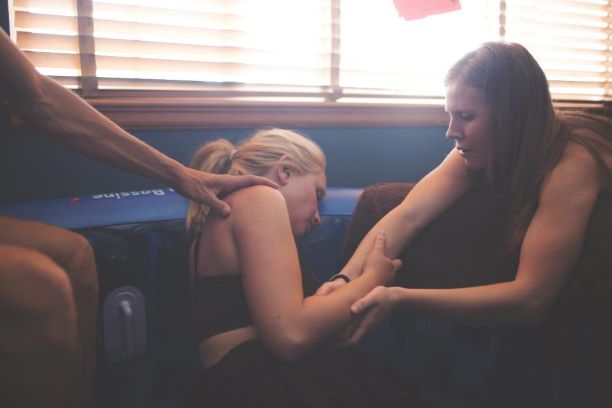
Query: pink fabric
{"points": [[416, 9]]}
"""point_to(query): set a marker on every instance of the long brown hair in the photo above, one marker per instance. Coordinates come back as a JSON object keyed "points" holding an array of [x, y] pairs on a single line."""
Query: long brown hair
{"points": [[528, 135]]}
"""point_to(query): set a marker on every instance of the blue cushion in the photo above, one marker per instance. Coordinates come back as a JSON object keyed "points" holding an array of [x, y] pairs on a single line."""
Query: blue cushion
{"points": [[138, 206]]}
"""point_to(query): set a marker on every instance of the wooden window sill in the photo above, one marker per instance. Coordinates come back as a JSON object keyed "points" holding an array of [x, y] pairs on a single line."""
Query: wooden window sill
{"points": [[199, 113]]}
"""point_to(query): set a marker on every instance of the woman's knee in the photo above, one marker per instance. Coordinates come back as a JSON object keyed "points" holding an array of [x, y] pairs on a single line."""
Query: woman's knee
{"points": [[37, 294], [69, 250], [81, 266]]}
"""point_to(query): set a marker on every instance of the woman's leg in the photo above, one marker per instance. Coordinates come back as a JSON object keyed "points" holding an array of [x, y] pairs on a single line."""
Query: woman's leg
{"points": [[72, 254], [39, 351]]}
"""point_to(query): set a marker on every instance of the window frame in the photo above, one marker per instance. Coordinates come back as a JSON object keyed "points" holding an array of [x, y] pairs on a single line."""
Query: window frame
{"points": [[157, 113]]}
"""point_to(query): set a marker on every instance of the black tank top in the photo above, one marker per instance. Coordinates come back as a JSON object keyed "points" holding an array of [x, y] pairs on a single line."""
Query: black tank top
{"points": [[220, 303]]}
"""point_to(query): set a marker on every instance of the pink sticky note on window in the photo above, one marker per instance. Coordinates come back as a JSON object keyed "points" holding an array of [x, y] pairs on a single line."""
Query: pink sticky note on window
{"points": [[415, 9]]}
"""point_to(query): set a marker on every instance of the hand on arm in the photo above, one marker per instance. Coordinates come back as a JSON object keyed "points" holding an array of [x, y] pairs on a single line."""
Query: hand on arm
{"points": [[67, 119], [429, 198], [549, 251], [288, 323]]}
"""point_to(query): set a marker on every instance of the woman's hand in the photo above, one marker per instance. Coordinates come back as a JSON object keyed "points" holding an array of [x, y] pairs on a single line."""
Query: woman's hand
{"points": [[372, 308], [377, 262]]}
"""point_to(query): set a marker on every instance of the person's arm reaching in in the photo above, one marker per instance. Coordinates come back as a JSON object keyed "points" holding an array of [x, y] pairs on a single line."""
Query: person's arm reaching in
{"points": [[68, 120]]}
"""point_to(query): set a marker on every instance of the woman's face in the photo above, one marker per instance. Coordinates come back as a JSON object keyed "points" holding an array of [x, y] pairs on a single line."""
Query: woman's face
{"points": [[302, 193], [470, 124]]}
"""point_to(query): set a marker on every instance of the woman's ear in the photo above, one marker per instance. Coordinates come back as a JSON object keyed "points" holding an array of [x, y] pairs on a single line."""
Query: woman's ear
{"points": [[284, 169]]}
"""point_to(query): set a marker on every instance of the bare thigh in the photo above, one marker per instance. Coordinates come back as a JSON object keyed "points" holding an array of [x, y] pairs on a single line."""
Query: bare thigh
{"points": [[62, 246], [69, 250], [48, 277], [35, 292], [38, 337]]}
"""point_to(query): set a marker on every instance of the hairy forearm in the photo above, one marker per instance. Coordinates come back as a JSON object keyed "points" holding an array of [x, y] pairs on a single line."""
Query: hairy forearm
{"points": [[500, 303], [64, 117], [68, 120]]}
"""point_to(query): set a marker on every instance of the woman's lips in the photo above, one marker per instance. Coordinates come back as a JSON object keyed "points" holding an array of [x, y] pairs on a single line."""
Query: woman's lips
{"points": [[463, 151]]}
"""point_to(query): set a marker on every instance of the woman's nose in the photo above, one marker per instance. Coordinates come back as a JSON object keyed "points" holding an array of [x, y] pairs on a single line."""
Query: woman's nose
{"points": [[452, 133]]}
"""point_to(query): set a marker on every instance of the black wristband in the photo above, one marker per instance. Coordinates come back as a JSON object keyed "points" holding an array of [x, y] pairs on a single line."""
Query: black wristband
{"points": [[340, 276]]}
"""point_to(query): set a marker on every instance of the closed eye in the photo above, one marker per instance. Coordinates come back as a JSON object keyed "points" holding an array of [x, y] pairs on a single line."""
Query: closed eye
{"points": [[464, 116]]}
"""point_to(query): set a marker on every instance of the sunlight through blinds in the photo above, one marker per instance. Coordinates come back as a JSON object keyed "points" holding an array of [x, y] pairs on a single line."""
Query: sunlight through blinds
{"points": [[570, 40], [47, 31], [143, 43], [381, 51], [345, 50]]}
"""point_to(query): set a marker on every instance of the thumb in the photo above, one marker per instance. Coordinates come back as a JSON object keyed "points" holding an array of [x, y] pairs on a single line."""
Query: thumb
{"points": [[397, 263], [357, 307], [360, 306], [219, 206], [323, 290]]}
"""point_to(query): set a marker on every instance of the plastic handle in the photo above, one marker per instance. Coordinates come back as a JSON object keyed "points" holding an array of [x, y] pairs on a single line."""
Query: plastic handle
{"points": [[128, 328]]}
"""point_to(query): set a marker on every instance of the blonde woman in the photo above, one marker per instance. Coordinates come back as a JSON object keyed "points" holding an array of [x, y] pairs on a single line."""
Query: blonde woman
{"points": [[264, 341]]}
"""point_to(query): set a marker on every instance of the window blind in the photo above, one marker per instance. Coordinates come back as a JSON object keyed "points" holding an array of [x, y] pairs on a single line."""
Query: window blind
{"points": [[295, 50], [250, 44], [383, 55], [248, 47], [47, 31], [570, 40]]}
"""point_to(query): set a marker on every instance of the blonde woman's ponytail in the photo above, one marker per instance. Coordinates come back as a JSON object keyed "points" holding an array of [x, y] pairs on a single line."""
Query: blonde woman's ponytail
{"points": [[214, 157]]}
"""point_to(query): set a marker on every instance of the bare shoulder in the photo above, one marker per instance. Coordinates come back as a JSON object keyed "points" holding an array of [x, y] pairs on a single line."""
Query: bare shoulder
{"points": [[603, 145], [255, 200], [575, 177], [253, 195], [577, 157]]}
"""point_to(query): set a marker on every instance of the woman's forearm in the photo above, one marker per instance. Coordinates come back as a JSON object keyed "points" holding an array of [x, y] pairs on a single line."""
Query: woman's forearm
{"points": [[429, 198], [500, 303], [400, 231], [323, 319], [63, 116]]}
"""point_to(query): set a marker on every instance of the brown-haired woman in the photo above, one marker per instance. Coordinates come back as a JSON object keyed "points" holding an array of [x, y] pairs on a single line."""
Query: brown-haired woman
{"points": [[548, 167]]}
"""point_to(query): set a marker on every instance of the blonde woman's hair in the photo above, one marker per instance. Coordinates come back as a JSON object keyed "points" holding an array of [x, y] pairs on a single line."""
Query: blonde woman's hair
{"points": [[255, 155]]}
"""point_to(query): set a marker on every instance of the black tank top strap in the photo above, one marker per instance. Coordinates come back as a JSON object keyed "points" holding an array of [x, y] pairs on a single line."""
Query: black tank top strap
{"points": [[196, 253]]}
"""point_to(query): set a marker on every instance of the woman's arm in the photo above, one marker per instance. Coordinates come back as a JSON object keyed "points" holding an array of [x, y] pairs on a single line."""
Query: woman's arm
{"points": [[430, 197], [65, 118], [549, 251], [288, 323]]}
